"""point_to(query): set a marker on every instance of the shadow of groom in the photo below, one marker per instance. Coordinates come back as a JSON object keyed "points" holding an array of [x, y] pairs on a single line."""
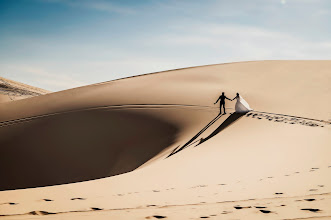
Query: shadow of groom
{"points": [[230, 120]]}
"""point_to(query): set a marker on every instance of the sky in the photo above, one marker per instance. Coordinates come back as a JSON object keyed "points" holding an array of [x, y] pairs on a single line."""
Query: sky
{"points": [[62, 44]]}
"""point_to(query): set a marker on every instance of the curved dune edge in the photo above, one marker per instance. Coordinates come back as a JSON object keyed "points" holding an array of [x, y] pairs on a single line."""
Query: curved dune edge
{"points": [[270, 163]]}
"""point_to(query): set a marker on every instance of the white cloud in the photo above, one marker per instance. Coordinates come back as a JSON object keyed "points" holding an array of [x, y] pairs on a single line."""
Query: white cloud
{"points": [[246, 43]]}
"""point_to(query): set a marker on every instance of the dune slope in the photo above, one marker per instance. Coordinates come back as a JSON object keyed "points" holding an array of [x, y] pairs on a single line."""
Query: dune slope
{"points": [[79, 146], [11, 90], [192, 162]]}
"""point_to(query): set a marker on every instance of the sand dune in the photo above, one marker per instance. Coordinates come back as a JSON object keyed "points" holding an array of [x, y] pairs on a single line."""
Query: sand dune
{"points": [[193, 163], [11, 90]]}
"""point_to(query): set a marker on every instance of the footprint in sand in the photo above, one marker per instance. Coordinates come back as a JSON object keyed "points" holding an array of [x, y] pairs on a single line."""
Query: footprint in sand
{"points": [[40, 213], [155, 216], [240, 207], [77, 198], [311, 210], [199, 186], [96, 209], [313, 189]]}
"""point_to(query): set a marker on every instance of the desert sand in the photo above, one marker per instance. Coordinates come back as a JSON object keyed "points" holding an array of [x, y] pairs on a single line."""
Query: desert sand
{"points": [[11, 90], [155, 147]]}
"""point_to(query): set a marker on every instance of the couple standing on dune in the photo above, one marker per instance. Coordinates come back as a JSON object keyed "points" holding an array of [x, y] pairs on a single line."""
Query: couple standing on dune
{"points": [[241, 105]]}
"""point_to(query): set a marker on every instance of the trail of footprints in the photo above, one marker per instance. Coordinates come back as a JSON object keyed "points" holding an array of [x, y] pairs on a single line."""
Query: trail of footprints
{"points": [[288, 119], [262, 209]]}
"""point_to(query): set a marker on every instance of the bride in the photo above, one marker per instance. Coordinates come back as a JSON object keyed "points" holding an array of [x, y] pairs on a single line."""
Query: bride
{"points": [[241, 105]]}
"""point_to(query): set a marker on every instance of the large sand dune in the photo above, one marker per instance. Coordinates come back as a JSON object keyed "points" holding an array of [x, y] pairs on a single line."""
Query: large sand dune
{"points": [[193, 162]]}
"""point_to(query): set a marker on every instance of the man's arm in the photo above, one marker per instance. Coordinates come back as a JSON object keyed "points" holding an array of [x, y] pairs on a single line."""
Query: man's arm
{"points": [[228, 98], [217, 100]]}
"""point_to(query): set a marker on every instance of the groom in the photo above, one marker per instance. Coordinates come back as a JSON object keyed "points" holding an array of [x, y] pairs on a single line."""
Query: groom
{"points": [[222, 102]]}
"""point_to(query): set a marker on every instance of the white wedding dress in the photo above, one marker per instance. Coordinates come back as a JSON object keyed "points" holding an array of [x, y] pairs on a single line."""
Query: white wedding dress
{"points": [[241, 105]]}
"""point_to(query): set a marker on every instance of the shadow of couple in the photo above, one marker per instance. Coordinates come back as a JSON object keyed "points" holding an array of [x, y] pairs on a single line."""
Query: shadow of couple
{"points": [[226, 123]]}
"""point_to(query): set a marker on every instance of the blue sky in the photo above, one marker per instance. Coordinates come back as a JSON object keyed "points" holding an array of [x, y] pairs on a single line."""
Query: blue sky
{"points": [[61, 44]]}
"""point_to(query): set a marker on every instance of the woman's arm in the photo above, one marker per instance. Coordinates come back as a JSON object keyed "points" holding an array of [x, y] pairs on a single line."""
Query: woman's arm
{"points": [[237, 96]]}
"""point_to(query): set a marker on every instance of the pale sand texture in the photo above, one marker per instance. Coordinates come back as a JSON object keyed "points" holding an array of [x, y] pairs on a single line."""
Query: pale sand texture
{"points": [[255, 160], [11, 90]]}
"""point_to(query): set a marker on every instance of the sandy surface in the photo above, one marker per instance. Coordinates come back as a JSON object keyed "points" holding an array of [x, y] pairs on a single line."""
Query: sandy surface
{"points": [[272, 163], [11, 90]]}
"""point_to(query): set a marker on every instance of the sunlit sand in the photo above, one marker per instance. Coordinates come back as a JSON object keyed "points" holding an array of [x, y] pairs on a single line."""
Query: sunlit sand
{"points": [[155, 146]]}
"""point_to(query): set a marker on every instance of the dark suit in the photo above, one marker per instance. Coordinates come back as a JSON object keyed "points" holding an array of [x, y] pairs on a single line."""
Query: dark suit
{"points": [[222, 102]]}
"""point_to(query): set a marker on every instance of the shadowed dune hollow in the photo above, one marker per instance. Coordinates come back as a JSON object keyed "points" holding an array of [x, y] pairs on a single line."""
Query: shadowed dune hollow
{"points": [[79, 146]]}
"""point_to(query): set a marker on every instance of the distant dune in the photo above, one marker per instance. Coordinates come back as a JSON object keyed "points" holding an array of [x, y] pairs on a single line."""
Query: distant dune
{"points": [[192, 162], [11, 90]]}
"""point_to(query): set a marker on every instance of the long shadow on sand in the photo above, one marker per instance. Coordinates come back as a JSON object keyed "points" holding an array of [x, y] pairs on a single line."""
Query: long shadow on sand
{"points": [[176, 150], [230, 120]]}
